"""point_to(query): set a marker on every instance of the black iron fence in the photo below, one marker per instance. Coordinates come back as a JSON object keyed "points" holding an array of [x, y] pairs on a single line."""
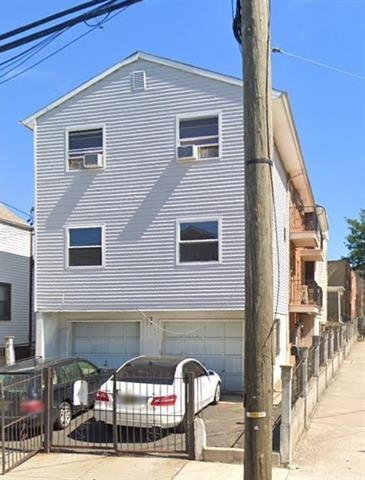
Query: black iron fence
{"points": [[22, 413], [137, 414]]}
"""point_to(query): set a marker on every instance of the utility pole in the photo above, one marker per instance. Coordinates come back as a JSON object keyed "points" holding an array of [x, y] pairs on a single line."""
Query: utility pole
{"points": [[258, 231]]}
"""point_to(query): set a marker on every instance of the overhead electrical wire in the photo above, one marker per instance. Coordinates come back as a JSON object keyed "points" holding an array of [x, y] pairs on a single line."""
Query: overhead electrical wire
{"points": [[317, 63], [104, 9], [15, 64], [61, 48], [54, 16]]}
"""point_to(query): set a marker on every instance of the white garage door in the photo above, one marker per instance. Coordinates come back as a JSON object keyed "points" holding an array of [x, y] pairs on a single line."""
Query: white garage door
{"points": [[106, 344], [216, 344]]}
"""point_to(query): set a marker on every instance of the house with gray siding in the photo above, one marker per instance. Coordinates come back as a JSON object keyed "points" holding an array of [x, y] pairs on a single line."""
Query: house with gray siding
{"points": [[15, 281], [140, 217]]}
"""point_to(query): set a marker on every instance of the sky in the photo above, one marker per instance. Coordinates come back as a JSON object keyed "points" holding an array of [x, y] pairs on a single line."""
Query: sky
{"points": [[328, 106]]}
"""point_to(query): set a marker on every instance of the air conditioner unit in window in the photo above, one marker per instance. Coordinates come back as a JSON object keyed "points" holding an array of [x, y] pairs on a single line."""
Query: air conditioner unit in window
{"points": [[188, 152], [93, 160]]}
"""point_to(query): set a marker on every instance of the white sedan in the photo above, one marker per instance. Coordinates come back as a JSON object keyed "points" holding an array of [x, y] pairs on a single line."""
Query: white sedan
{"points": [[150, 392]]}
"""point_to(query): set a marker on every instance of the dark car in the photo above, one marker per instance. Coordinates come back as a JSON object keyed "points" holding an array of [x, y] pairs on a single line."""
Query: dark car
{"points": [[74, 383]]}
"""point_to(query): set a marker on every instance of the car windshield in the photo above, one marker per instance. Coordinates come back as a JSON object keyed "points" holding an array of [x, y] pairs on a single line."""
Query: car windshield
{"points": [[152, 372]]}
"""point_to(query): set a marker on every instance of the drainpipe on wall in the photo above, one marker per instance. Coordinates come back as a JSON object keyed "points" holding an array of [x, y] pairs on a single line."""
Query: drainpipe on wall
{"points": [[31, 269]]}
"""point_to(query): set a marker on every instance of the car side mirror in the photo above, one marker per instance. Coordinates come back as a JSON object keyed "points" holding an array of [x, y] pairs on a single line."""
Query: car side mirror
{"points": [[210, 372]]}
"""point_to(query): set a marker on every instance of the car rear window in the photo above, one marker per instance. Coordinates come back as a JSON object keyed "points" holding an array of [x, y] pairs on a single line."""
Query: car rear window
{"points": [[14, 383], [153, 373]]}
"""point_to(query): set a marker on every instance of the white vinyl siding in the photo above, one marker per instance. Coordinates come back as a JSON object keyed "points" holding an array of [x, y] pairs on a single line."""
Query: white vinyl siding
{"points": [[280, 239], [139, 196], [15, 270], [107, 344], [218, 345]]}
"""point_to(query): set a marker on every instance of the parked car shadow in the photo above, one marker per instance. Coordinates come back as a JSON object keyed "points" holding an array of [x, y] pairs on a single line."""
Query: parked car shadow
{"points": [[99, 433]]}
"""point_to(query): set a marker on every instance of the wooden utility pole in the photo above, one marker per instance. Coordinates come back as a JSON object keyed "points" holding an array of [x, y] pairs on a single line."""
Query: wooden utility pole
{"points": [[258, 231]]}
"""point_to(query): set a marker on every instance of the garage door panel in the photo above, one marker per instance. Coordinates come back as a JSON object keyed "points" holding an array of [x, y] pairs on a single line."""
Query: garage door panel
{"points": [[213, 347], [216, 344], [132, 347], [233, 346], [193, 347], [232, 383], [109, 344], [233, 364], [214, 330], [81, 345], [233, 329]]}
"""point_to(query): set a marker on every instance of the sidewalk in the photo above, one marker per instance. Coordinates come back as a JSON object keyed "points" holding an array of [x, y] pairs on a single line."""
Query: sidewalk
{"points": [[332, 449]]}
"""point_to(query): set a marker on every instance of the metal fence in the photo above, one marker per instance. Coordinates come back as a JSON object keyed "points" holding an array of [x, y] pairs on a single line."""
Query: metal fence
{"points": [[311, 362], [22, 412], [135, 415], [297, 382]]}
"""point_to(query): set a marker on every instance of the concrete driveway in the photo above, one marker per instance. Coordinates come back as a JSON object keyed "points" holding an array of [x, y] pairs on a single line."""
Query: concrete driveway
{"points": [[224, 423]]}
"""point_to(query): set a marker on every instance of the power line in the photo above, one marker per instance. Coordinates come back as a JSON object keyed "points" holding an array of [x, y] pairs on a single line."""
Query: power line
{"points": [[69, 23], [28, 214], [25, 57], [54, 16], [318, 64], [11, 60], [62, 48]]}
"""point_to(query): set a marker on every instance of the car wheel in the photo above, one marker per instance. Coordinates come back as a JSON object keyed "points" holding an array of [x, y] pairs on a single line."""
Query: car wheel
{"points": [[64, 416], [217, 394]]}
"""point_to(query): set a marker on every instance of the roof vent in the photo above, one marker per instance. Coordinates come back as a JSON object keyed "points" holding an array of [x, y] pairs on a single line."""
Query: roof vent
{"points": [[139, 80]]}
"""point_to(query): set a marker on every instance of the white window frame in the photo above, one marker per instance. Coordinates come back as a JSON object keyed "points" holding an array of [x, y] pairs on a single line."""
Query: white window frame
{"points": [[196, 116], [80, 128], [67, 246], [195, 220]]}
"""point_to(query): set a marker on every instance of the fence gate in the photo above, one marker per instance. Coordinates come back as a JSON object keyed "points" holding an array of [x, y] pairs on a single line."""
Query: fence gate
{"points": [[22, 412], [127, 420]]}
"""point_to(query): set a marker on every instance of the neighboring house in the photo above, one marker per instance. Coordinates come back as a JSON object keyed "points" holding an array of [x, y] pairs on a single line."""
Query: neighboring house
{"points": [[15, 281], [346, 292], [140, 217]]}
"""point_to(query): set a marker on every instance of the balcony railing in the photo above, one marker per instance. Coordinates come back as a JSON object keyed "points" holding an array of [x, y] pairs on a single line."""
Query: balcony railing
{"points": [[307, 293], [305, 219]]}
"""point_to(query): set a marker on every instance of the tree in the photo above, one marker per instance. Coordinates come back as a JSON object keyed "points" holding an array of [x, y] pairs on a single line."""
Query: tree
{"points": [[356, 243]]}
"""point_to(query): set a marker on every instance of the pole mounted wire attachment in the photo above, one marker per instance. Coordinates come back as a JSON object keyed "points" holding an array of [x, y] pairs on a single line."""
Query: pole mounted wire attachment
{"points": [[256, 161]]}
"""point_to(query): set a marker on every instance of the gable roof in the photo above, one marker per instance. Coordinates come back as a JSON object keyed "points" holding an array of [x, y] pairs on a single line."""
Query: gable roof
{"points": [[8, 217], [30, 121]]}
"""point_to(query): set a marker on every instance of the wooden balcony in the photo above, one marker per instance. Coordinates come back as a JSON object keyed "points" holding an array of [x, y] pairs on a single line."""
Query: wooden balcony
{"points": [[304, 228], [305, 297]]}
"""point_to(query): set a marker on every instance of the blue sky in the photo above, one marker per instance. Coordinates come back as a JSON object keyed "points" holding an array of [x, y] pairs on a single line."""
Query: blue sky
{"points": [[329, 108]]}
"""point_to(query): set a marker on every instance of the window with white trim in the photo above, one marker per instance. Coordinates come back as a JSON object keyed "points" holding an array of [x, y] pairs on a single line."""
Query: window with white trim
{"points": [[198, 241], [202, 132], [85, 247], [85, 149]]}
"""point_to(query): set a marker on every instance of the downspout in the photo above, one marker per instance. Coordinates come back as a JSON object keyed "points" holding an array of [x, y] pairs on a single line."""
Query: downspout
{"points": [[31, 270]]}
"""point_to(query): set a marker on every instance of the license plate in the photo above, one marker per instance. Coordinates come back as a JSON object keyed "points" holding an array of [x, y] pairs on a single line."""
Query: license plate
{"points": [[132, 400]]}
